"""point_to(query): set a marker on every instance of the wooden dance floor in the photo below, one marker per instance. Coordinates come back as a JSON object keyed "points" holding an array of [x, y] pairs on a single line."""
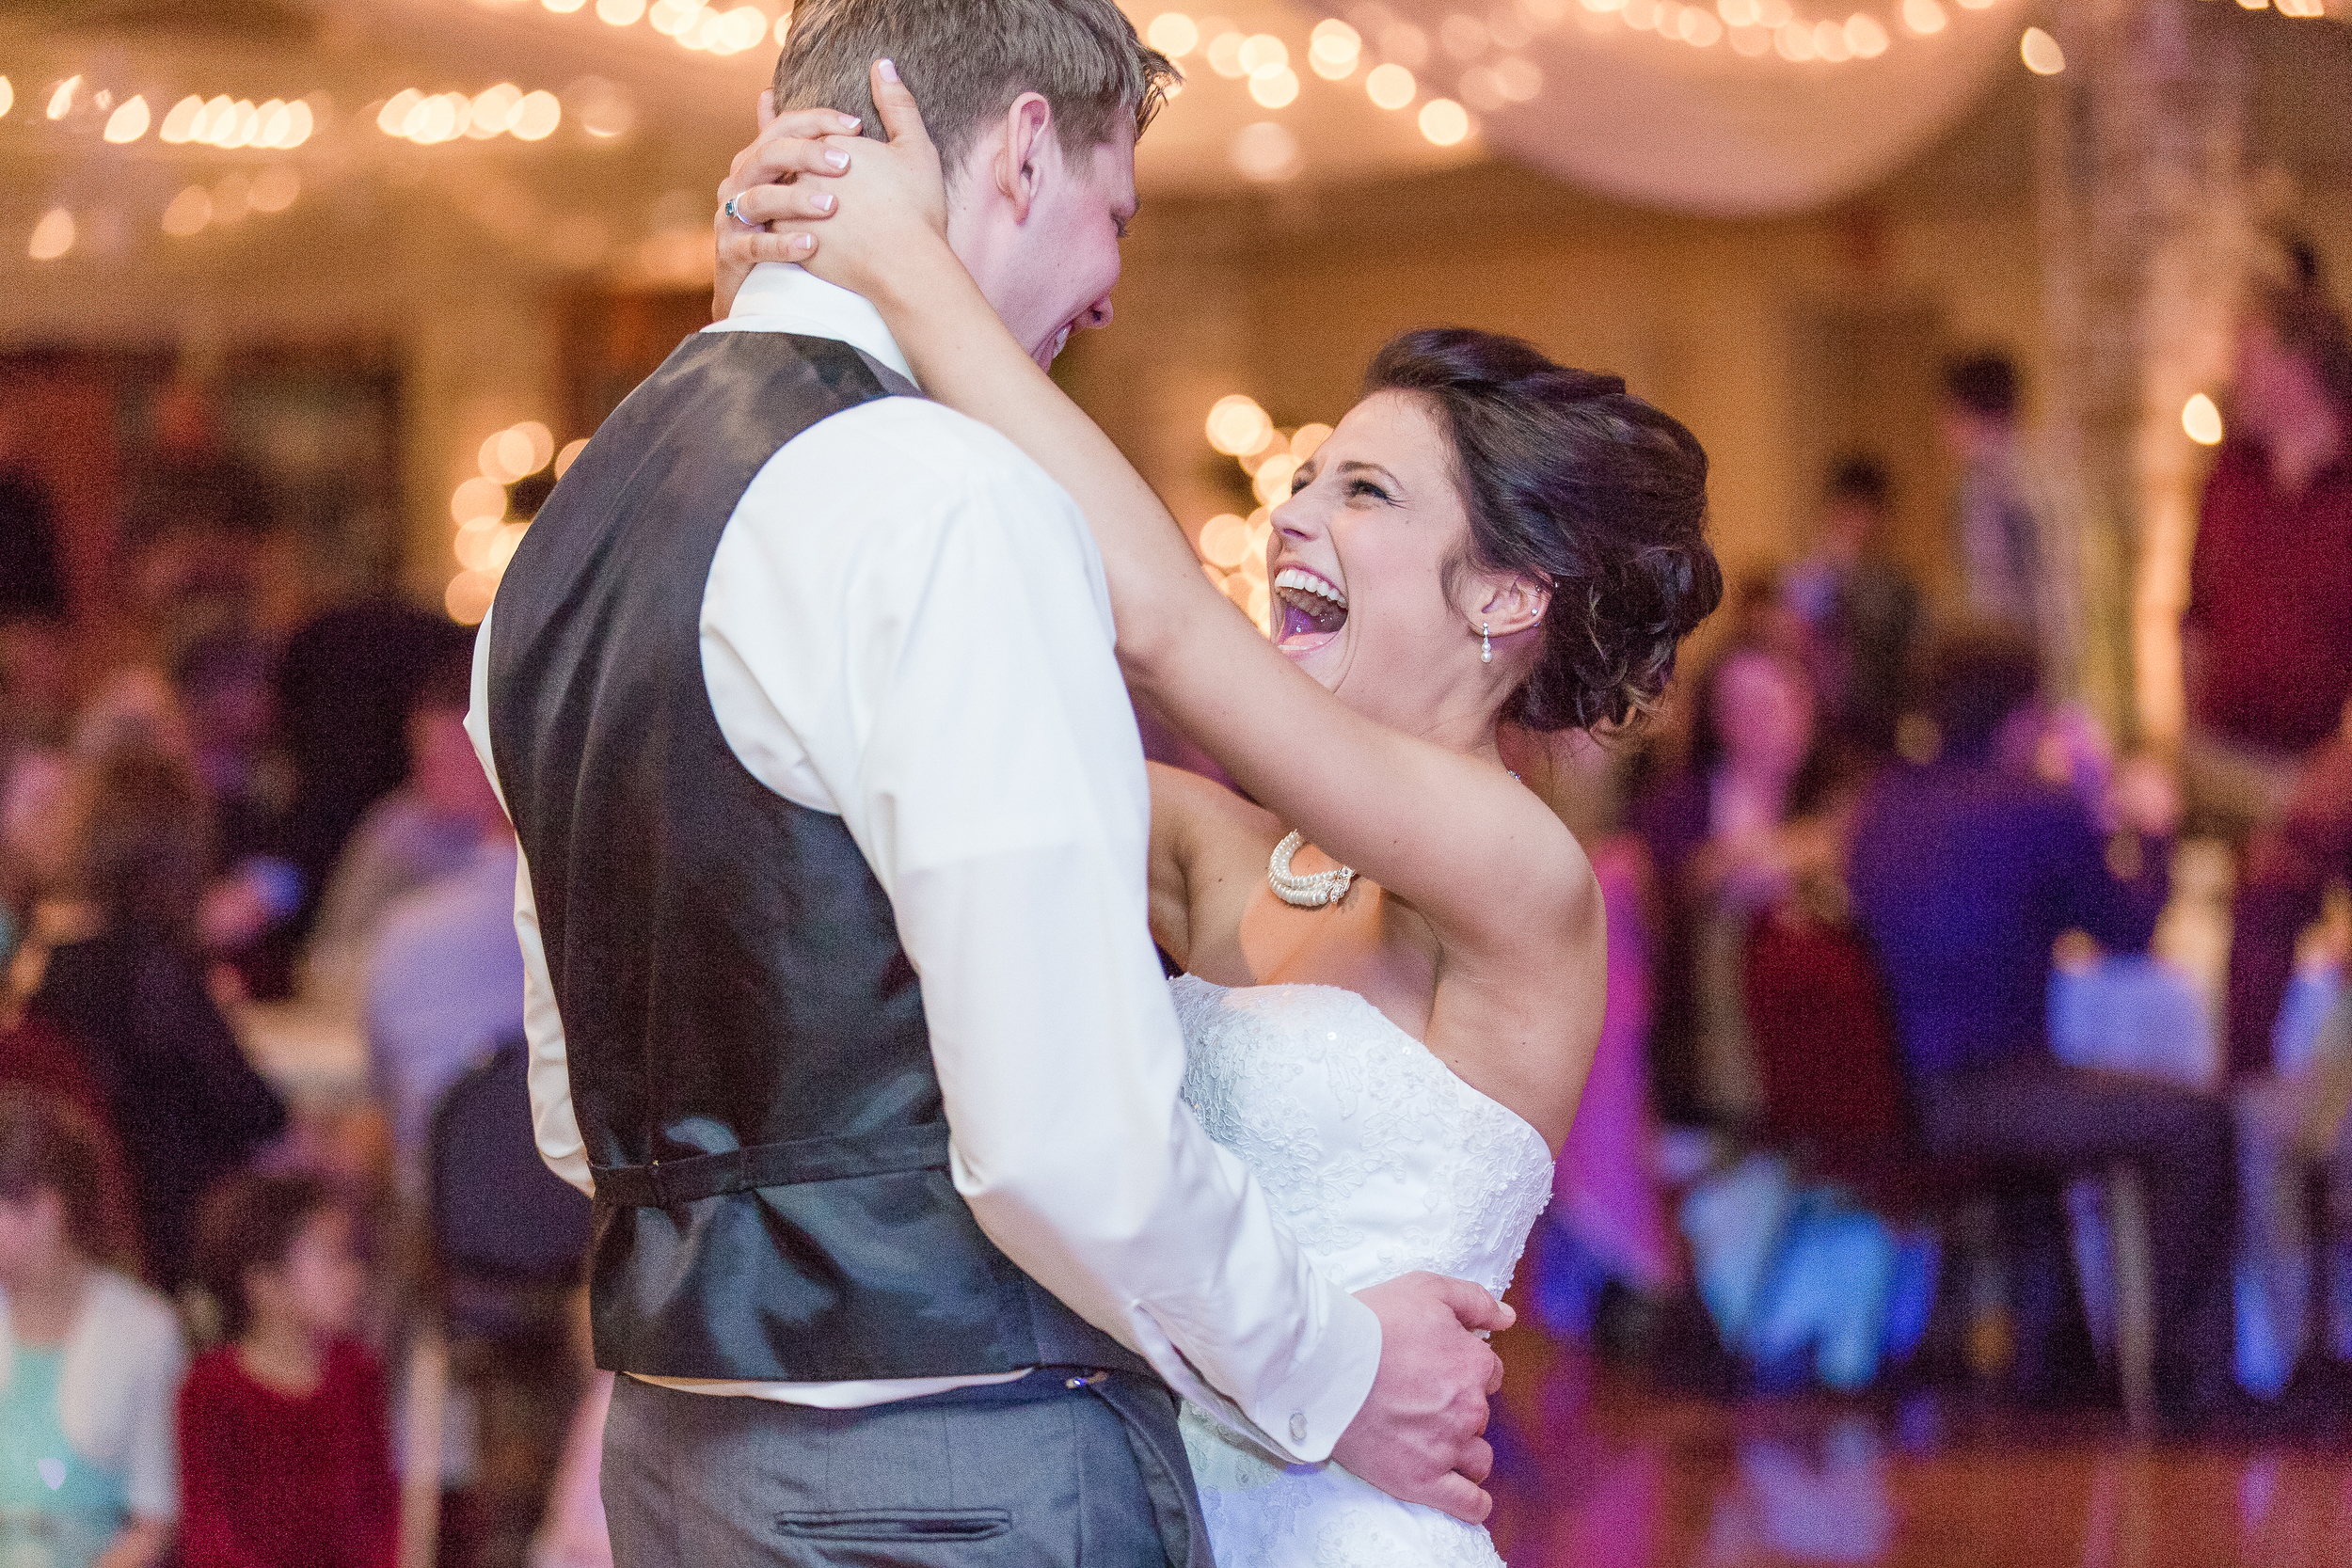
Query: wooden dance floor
{"points": [[1596, 1472]]}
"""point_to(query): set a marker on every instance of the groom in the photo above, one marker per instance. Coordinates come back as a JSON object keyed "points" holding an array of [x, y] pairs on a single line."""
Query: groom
{"points": [[801, 696]]}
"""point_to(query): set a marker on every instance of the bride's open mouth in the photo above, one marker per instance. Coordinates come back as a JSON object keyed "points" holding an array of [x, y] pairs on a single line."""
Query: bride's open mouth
{"points": [[1309, 610]]}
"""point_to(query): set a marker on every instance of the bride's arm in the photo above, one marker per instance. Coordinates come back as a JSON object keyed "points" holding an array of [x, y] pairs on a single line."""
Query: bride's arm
{"points": [[1444, 831]]}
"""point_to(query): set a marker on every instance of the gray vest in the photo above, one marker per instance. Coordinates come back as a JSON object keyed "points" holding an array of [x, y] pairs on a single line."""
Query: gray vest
{"points": [[748, 1055]]}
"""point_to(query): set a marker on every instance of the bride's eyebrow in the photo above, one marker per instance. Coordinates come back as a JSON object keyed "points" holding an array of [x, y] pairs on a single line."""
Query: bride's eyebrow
{"points": [[1355, 466]]}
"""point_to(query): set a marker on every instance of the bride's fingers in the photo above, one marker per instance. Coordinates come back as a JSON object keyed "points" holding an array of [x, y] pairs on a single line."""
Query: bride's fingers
{"points": [[800, 203], [792, 144], [749, 248], [1460, 1497]]}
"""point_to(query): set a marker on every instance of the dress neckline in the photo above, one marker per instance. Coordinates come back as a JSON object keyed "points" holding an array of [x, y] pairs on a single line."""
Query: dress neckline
{"points": [[1383, 1021]]}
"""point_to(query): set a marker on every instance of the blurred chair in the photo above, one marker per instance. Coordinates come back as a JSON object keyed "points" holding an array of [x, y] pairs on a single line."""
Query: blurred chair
{"points": [[1834, 1093], [504, 1244]]}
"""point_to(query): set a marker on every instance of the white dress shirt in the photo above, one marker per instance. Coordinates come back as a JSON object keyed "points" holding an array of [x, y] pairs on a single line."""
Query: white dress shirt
{"points": [[906, 626]]}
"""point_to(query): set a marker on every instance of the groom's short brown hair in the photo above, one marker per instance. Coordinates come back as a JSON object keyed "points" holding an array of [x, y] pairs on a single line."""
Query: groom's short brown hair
{"points": [[966, 61]]}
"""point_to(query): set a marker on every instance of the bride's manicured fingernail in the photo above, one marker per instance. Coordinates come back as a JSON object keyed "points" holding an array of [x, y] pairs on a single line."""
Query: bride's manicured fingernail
{"points": [[822, 203], [850, 122], [836, 158], [800, 244], [889, 69]]}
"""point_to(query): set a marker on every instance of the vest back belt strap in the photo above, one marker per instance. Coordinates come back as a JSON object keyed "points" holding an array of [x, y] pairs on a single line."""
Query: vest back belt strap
{"points": [[667, 1183]]}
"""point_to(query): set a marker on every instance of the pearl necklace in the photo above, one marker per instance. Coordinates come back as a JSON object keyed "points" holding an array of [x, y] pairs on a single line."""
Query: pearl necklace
{"points": [[1305, 893]]}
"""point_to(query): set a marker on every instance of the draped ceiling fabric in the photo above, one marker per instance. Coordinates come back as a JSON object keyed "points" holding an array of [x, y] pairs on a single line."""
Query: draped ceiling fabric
{"points": [[1657, 122]]}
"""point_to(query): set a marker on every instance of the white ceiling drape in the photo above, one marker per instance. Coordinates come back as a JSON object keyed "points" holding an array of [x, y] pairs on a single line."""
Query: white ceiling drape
{"points": [[1660, 123]]}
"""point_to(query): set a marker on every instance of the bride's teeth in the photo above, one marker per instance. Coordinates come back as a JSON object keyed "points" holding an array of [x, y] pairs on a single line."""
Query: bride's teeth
{"points": [[1307, 583]]}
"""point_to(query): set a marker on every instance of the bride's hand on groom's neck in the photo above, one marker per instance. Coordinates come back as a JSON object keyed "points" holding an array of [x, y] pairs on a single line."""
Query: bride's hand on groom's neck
{"points": [[795, 176], [765, 177]]}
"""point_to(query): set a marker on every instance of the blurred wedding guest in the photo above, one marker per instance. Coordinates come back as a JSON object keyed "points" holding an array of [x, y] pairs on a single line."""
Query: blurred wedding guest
{"points": [[90, 1361], [1608, 1221], [435, 825], [31, 584], [1861, 613], [346, 683], [2267, 645], [33, 794], [1965, 873], [36, 680], [1734, 833], [285, 1450], [225, 684], [445, 984], [118, 968], [194, 520], [1996, 524]]}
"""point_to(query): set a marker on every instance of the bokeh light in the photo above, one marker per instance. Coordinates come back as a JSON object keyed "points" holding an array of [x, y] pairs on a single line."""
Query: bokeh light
{"points": [[478, 498], [1266, 151], [129, 121], [2201, 420], [1274, 89], [1390, 85], [2041, 52], [1174, 34], [1444, 122], [1238, 427], [1225, 540], [1333, 50], [1272, 481], [188, 213], [52, 236]]}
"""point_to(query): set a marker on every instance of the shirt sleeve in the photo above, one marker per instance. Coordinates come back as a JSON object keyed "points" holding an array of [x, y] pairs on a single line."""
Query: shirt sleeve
{"points": [[980, 748], [151, 1472], [554, 1124]]}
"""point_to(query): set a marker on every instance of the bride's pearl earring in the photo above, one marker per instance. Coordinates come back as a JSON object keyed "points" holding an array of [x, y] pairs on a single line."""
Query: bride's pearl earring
{"points": [[1486, 645]]}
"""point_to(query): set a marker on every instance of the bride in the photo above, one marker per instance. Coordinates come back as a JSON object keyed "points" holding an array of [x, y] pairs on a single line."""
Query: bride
{"points": [[1392, 953]]}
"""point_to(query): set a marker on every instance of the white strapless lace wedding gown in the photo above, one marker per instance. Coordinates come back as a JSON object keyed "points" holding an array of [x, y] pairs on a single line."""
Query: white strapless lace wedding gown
{"points": [[1381, 1161]]}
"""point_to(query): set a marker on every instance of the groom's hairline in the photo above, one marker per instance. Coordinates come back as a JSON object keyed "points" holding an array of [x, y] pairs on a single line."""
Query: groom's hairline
{"points": [[1112, 46]]}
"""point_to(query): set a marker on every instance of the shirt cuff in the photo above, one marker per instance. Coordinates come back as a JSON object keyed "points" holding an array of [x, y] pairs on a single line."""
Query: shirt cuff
{"points": [[1299, 1419]]}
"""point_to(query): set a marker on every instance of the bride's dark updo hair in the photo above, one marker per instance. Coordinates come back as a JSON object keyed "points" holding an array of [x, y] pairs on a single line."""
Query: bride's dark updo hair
{"points": [[1573, 481]]}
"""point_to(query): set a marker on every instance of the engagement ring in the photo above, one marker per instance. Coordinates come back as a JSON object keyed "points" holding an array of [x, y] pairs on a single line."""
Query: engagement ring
{"points": [[729, 210]]}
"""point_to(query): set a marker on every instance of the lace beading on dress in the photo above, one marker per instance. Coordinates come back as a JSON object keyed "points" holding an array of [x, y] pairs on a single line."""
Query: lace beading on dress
{"points": [[1382, 1163]]}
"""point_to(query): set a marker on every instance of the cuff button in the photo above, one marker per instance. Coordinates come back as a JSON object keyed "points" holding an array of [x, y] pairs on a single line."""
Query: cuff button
{"points": [[1298, 1426]]}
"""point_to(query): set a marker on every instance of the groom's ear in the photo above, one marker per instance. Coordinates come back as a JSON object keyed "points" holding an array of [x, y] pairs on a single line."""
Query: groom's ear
{"points": [[1018, 164]]}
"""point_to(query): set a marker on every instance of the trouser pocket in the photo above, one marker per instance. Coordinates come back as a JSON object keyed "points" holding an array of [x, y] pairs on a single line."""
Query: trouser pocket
{"points": [[895, 1525]]}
